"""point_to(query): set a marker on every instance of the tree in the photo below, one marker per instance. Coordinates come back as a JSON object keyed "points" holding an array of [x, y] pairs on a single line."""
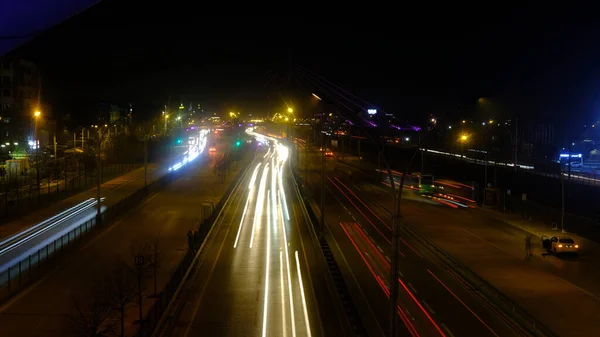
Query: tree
{"points": [[141, 255], [92, 319], [155, 261], [120, 291]]}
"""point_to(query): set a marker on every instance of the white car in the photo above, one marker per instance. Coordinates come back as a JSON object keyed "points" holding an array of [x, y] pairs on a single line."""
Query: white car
{"points": [[563, 244]]}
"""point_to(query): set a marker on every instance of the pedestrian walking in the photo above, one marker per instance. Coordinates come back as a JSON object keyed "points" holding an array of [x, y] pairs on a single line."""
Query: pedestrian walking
{"points": [[527, 246]]}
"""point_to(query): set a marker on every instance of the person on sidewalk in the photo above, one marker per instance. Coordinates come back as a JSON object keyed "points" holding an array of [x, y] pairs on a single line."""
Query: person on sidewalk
{"points": [[527, 246]]}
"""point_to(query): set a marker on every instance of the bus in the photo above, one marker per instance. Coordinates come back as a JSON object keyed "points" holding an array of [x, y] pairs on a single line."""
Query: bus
{"points": [[426, 183]]}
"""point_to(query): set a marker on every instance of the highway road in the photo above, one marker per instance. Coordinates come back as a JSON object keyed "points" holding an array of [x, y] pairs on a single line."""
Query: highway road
{"points": [[491, 244], [257, 276], [432, 301], [19, 245], [46, 308]]}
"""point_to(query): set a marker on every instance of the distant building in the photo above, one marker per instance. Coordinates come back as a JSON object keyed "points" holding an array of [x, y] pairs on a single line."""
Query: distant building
{"points": [[20, 84]]}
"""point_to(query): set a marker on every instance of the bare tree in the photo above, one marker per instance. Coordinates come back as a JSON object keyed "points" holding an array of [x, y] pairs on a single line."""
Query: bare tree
{"points": [[92, 319], [155, 261], [141, 254], [120, 291]]}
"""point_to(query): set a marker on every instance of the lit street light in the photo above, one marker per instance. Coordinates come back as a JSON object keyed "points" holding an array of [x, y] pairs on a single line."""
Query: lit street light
{"points": [[36, 116]]}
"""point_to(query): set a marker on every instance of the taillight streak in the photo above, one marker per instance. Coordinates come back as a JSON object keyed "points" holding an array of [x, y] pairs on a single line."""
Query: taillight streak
{"points": [[461, 302], [361, 212], [412, 296]]}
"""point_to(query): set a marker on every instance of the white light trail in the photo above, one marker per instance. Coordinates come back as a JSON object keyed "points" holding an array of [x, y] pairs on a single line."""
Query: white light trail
{"points": [[266, 154], [21, 240], [268, 262], [252, 181], [282, 194], [254, 174], [282, 284], [260, 199], [289, 277], [306, 321]]}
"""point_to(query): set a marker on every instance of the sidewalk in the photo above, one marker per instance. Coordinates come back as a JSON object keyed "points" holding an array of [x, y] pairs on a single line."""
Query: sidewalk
{"points": [[113, 190]]}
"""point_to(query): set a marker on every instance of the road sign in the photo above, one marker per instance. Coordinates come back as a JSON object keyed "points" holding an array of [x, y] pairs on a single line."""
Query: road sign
{"points": [[138, 260]]}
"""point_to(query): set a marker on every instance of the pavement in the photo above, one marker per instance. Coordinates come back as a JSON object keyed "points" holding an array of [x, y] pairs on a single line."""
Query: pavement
{"points": [[431, 300], [47, 307], [492, 244], [258, 273]]}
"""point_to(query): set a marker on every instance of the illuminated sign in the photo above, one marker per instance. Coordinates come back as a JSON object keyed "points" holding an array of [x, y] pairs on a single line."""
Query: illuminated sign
{"points": [[372, 111]]}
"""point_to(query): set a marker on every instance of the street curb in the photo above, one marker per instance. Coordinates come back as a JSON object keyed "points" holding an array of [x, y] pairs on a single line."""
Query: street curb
{"points": [[175, 304]]}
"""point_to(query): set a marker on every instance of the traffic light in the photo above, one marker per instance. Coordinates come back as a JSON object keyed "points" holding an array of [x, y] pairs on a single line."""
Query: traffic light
{"points": [[179, 141], [238, 143]]}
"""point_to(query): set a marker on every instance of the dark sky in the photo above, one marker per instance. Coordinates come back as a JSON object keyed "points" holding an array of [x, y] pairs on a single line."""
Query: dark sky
{"points": [[119, 51]]}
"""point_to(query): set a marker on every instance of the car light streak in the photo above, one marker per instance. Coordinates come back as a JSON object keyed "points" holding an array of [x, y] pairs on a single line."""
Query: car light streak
{"points": [[260, 199], [49, 226], [282, 194], [289, 277], [268, 263], [251, 186], [45, 222], [461, 302], [282, 285], [306, 321], [254, 174]]}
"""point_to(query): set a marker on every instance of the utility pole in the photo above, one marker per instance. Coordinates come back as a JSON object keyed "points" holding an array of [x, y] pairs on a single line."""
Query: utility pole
{"points": [[98, 177], [146, 161], [422, 155], [82, 140], [55, 145], [562, 210], [74, 140], [516, 142], [323, 164]]}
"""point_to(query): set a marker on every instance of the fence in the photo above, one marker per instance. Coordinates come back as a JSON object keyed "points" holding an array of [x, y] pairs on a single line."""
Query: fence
{"points": [[154, 315], [27, 270], [22, 199]]}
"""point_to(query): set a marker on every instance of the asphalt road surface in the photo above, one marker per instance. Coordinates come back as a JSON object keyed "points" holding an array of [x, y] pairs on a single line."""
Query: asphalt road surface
{"points": [[432, 301], [257, 276], [46, 308]]}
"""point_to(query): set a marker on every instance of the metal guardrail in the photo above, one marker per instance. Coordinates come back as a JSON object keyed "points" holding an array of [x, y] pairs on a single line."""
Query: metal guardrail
{"points": [[485, 291], [29, 269], [160, 318], [334, 276]]}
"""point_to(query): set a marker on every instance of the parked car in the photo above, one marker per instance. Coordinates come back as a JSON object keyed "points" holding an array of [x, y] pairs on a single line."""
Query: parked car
{"points": [[560, 245]]}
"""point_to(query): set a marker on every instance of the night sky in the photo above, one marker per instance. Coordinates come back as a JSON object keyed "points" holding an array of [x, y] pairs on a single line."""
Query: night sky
{"points": [[119, 52]]}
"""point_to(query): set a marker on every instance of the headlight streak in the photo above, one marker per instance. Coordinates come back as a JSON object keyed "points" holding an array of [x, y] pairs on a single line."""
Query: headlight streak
{"points": [[282, 194], [47, 221], [42, 230], [306, 321], [260, 199], [268, 262], [282, 285], [252, 182], [289, 275]]}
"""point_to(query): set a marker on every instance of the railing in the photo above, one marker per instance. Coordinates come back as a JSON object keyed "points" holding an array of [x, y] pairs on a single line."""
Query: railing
{"points": [[156, 321], [21, 200], [21, 274]]}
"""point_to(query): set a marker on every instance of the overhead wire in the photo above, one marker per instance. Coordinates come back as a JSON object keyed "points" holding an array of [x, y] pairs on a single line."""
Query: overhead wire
{"points": [[323, 79]]}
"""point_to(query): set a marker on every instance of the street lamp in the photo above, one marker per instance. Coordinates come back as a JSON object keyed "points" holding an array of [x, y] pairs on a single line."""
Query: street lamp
{"points": [[36, 116], [290, 110]]}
